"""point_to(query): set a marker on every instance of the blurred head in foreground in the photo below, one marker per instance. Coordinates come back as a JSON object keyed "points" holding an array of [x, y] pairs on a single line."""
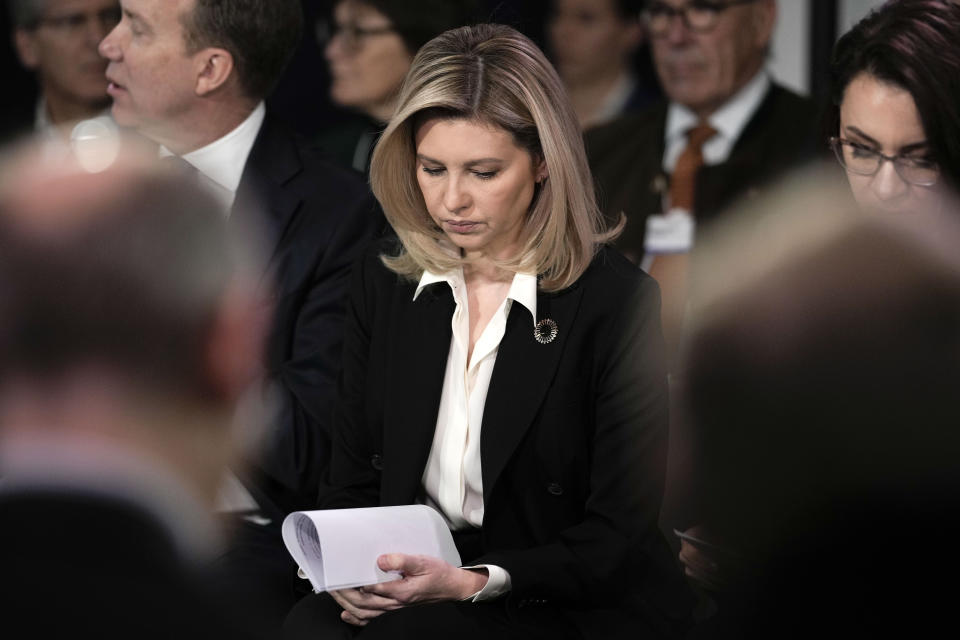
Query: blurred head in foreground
{"points": [[129, 318], [821, 381], [896, 91]]}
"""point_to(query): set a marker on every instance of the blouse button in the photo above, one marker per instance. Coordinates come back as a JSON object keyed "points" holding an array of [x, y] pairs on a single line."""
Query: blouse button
{"points": [[376, 461], [555, 489]]}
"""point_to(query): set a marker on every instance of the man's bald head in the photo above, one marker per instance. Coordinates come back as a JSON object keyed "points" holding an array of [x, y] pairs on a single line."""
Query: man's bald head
{"points": [[125, 270]]}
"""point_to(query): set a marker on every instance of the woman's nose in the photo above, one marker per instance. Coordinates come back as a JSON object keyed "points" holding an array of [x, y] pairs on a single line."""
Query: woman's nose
{"points": [[887, 183]]}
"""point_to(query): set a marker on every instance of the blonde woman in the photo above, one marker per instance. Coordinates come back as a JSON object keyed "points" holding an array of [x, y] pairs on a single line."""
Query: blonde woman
{"points": [[503, 366]]}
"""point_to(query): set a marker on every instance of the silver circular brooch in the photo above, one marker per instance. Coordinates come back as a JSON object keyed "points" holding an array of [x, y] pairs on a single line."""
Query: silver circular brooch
{"points": [[545, 331]]}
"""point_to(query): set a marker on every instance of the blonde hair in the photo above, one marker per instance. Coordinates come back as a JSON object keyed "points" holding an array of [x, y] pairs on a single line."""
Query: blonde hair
{"points": [[493, 75]]}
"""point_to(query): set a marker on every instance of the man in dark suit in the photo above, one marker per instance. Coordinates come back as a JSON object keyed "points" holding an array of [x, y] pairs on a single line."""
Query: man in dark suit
{"points": [[191, 76], [724, 133], [119, 384], [710, 64]]}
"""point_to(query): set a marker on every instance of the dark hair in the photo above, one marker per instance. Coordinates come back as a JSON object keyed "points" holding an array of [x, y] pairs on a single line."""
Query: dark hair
{"points": [[261, 35], [132, 283], [629, 9], [25, 14], [915, 45], [418, 22]]}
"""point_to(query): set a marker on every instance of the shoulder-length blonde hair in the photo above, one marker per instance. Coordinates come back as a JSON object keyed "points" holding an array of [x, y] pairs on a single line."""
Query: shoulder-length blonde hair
{"points": [[493, 75]]}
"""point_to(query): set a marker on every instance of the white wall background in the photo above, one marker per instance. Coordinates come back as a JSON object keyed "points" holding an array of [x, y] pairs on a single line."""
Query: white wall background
{"points": [[850, 12], [790, 55], [789, 59]]}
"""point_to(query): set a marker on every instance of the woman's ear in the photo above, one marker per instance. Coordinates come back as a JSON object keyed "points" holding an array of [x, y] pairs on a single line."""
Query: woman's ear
{"points": [[540, 171]]}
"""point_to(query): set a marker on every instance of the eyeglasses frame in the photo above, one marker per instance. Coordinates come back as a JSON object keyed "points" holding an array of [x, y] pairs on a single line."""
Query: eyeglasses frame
{"points": [[836, 144], [682, 12], [352, 35]]}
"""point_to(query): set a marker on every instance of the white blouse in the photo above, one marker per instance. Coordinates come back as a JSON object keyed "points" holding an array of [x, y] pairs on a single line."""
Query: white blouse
{"points": [[453, 479]]}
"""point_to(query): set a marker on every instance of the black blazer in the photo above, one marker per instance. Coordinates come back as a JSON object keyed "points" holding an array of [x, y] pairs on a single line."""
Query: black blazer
{"points": [[626, 158], [573, 443], [318, 219]]}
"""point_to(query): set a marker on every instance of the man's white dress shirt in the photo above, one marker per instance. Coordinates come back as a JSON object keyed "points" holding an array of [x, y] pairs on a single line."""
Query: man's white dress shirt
{"points": [[222, 161], [729, 121], [221, 165]]}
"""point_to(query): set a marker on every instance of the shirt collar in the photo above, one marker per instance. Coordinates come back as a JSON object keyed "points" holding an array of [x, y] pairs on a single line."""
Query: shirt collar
{"points": [[223, 160], [729, 120], [523, 288], [44, 127], [41, 119]]}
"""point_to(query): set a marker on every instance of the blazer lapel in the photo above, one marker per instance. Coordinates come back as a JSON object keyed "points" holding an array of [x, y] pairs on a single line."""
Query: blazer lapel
{"points": [[264, 200], [415, 383], [521, 378]]}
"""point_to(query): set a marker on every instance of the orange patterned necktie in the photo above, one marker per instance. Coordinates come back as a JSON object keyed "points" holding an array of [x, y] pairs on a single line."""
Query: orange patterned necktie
{"points": [[670, 269], [683, 180]]}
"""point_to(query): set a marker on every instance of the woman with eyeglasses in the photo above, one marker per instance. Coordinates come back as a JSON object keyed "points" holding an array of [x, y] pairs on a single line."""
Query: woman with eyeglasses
{"points": [[599, 49], [896, 118], [369, 45]]}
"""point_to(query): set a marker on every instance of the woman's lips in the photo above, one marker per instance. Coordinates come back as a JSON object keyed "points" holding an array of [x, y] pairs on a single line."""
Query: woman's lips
{"points": [[461, 226]]}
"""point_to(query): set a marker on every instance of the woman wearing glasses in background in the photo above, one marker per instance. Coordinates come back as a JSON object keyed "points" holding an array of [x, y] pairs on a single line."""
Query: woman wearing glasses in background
{"points": [[369, 45], [896, 90]]}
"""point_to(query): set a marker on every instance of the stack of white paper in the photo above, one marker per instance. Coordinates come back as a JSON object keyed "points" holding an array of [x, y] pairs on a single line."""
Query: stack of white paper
{"points": [[338, 548]]}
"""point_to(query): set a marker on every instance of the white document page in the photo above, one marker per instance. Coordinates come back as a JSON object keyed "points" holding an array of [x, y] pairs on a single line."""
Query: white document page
{"points": [[338, 548]]}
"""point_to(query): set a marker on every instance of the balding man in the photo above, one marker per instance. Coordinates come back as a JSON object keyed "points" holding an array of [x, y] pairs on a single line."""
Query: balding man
{"points": [[119, 383], [709, 57]]}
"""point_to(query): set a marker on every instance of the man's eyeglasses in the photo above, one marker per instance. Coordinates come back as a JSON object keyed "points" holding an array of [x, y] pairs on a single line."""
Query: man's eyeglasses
{"points": [[700, 15], [352, 36], [864, 161], [71, 24]]}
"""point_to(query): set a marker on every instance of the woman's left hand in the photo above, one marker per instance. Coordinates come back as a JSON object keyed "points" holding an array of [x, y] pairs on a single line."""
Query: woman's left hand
{"points": [[426, 579]]}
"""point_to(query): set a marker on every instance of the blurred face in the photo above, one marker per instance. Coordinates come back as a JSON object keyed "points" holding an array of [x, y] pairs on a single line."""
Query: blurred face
{"points": [[883, 117], [477, 184], [152, 78], [62, 49], [368, 60], [704, 69], [589, 38]]}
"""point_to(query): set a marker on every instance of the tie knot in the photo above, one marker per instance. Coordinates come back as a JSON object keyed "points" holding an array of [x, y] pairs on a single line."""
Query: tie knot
{"points": [[698, 135]]}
